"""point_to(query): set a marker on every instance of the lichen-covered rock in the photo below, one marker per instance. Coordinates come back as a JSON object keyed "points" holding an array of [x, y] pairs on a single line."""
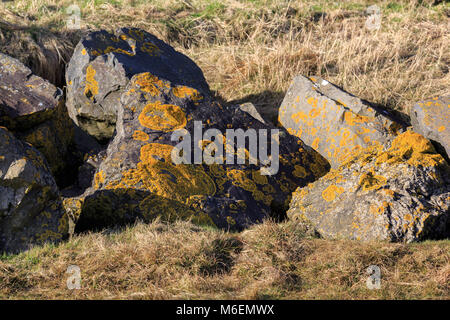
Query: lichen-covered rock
{"points": [[139, 163], [396, 193], [34, 110], [332, 121], [431, 118], [102, 65], [31, 210]]}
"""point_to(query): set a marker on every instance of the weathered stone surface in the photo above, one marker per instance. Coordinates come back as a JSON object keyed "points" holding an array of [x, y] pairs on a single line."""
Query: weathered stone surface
{"points": [[333, 121], [396, 193], [431, 118], [102, 65], [31, 210], [25, 99], [139, 165], [34, 110]]}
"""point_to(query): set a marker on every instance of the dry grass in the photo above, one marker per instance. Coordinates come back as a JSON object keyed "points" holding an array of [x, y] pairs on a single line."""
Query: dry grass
{"points": [[182, 261], [250, 50]]}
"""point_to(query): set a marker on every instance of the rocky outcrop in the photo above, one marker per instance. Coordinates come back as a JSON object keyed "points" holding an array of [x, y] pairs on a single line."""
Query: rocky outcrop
{"points": [[31, 210], [431, 118], [399, 192], [34, 110], [139, 164], [332, 121], [102, 65], [138, 178]]}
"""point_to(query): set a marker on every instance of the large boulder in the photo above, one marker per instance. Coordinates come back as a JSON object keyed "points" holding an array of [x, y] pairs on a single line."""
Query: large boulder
{"points": [[138, 178], [334, 122], [103, 64], [431, 118], [34, 110], [31, 210], [396, 193]]}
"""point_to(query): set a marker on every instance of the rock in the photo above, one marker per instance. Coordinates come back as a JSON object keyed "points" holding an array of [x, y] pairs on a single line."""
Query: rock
{"points": [[103, 64], [333, 121], [396, 193], [251, 110], [34, 110], [31, 210], [431, 119], [138, 168]]}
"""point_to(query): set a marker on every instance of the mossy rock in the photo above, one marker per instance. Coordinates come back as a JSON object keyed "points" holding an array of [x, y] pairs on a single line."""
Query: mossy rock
{"points": [[399, 192]]}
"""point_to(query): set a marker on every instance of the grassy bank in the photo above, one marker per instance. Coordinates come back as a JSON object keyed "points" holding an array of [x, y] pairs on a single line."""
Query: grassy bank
{"points": [[251, 49], [183, 261]]}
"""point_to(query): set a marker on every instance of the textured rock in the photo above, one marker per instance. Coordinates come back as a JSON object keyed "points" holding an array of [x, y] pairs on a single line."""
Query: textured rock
{"points": [[396, 193], [102, 65], [431, 118], [139, 164], [333, 121], [31, 210], [34, 110]]}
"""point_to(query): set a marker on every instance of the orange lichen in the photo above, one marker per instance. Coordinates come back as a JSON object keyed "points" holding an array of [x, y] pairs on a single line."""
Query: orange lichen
{"points": [[99, 179], [151, 49], [151, 84], [186, 92], [91, 88], [156, 173], [370, 181], [330, 193], [140, 135], [411, 148], [162, 117]]}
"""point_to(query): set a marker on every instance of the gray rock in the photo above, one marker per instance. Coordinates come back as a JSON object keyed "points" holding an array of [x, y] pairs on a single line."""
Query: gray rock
{"points": [[431, 119], [397, 193], [31, 210], [332, 121], [34, 110], [103, 64]]}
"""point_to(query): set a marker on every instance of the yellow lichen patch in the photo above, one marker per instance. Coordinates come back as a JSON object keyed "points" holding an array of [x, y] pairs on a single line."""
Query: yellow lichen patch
{"points": [[353, 118], [156, 173], [91, 88], [99, 179], [299, 116], [186, 92], [118, 50], [315, 143], [83, 52], [299, 172], [151, 84], [441, 128], [370, 181], [140, 135], [162, 117], [412, 148], [330, 193], [151, 49]]}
